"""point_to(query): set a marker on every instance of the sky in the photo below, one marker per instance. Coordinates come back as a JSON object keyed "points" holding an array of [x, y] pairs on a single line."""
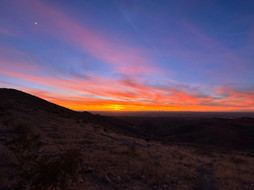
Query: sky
{"points": [[130, 55]]}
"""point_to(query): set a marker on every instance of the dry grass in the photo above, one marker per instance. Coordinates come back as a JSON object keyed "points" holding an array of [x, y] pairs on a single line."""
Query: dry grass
{"points": [[235, 171], [116, 161]]}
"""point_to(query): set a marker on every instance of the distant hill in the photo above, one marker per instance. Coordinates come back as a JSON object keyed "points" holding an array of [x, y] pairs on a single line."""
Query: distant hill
{"points": [[219, 132]]}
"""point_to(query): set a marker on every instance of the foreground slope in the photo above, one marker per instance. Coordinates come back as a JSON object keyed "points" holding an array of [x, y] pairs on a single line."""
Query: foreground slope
{"points": [[114, 157]]}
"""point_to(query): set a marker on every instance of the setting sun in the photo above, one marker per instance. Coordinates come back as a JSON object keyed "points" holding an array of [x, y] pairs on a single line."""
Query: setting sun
{"points": [[127, 94], [135, 63], [116, 107]]}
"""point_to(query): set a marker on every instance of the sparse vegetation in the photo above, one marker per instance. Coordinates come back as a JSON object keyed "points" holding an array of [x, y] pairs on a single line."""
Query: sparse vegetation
{"points": [[49, 151], [41, 170]]}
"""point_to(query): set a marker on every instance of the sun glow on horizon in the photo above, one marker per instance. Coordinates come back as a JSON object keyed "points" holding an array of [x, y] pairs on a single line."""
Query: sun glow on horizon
{"points": [[127, 60], [116, 107], [135, 107]]}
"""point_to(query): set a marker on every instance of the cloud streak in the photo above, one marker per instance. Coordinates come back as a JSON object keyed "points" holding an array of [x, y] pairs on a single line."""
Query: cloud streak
{"points": [[134, 96], [189, 74], [123, 59]]}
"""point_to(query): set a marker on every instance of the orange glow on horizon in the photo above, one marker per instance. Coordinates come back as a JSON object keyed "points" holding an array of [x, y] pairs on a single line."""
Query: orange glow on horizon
{"points": [[134, 96], [88, 67], [136, 107], [95, 104], [116, 107]]}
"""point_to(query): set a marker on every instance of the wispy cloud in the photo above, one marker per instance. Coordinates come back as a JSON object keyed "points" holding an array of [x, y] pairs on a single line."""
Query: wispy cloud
{"points": [[133, 75], [123, 59], [135, 95]]}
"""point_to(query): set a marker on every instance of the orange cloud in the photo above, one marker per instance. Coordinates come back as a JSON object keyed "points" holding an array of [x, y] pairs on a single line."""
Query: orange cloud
{"points": [[130, 96]]}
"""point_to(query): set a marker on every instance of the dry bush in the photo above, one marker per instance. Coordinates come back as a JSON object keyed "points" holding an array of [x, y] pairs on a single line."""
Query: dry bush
{"points": [[137, 166], [41, 170], [25, 148], [235, 171]]}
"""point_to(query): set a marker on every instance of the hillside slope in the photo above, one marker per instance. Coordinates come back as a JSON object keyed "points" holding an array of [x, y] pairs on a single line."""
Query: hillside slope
{"points": [[113, 157], [21, 104]]}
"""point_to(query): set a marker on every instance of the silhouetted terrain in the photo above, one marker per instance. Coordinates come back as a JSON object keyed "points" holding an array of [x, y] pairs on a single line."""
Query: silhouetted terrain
{"points": [[177, 114], [219, 132], [46, 146]]}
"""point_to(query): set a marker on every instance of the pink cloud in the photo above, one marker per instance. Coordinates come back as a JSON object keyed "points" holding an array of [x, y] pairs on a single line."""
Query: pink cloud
{"points": [[237, 98], [16, 61], [134, 94], [124, 59]]}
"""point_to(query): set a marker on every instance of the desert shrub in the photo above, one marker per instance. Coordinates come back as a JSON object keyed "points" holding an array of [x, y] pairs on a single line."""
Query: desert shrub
{"points": [[147, 139], [41, 170], [23, 128], [52, 171], [24, 147], [20, 126]]}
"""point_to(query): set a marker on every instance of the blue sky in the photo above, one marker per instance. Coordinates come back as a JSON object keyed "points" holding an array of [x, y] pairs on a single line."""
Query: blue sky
{"points": [[139, 55]]}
